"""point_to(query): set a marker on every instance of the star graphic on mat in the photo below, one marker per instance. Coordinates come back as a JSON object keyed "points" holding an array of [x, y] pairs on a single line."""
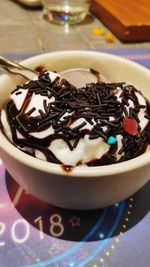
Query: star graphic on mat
{"points": [[75, 221]]}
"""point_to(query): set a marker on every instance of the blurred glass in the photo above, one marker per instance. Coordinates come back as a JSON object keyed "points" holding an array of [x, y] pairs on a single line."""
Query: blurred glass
{"points": [[66, 11]]}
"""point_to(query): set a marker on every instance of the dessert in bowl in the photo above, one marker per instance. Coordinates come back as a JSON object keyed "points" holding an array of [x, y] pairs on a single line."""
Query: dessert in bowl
{"points": [[92, 180]]}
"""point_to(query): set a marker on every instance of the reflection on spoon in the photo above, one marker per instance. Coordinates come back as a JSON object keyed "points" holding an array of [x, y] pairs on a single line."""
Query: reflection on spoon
{"points": [[79, 77]]}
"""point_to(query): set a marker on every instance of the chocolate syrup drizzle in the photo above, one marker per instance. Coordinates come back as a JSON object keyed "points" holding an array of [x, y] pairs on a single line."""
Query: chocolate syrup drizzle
{"points": [[94, 102]]}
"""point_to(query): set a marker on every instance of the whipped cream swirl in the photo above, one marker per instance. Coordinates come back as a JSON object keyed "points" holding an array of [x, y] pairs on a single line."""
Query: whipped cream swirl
{"points": [[52, 120]]}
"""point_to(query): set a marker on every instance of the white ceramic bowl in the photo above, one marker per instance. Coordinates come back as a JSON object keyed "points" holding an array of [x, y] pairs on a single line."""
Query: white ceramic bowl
{"points": [[84, 187]]}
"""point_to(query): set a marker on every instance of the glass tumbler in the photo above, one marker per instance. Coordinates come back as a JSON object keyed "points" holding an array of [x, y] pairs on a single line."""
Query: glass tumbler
{"points": [[66, 11]]}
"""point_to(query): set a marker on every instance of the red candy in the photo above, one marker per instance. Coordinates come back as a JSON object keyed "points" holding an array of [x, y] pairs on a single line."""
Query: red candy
{"points": [[130, 126]]}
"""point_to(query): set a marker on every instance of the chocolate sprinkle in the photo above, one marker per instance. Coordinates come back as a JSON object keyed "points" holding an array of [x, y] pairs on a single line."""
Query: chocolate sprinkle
{"points": [[18, 93], [42, 113], [31, 111], [79, 126]]}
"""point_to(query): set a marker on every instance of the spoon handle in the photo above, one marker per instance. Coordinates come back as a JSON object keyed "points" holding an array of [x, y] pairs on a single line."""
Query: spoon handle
{"points": [[14, 68]]}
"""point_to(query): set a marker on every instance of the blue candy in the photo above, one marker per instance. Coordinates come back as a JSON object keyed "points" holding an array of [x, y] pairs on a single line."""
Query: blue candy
{"points": [[111, 140]]}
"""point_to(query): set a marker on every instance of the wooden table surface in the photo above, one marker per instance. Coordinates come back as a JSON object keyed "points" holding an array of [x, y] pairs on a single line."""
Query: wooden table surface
{"points": [[25, 30]]}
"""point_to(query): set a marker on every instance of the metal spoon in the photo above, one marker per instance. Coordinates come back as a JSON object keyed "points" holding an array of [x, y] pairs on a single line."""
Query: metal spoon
{"points": [[14, 68], [76, 76]]}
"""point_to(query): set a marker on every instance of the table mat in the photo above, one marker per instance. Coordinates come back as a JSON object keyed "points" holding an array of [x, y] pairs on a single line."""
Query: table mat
{"points": [[139, 55], [118, 236]]}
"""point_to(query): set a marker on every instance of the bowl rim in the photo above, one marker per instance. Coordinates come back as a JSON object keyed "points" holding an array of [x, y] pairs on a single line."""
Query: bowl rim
{"points": [[83, 170]]}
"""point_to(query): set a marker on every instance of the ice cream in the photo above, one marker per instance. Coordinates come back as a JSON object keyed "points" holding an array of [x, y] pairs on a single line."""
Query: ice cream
{"points": [[99, 124]]}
